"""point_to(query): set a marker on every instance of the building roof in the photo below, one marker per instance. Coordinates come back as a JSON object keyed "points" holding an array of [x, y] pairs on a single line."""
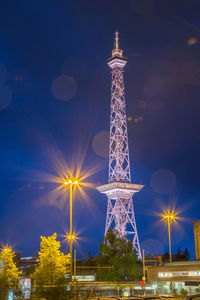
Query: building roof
{"points": [[183, 263], [196, 222]]}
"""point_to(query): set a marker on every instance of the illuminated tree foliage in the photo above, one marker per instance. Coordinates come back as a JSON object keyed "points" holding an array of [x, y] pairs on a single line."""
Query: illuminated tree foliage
{"points": [[9, 273], [118, 253], [53, 265]]}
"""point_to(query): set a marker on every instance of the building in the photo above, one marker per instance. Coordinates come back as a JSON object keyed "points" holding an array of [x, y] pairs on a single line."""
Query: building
{"points": [[27, 264], [196, 227], [172, 277]]}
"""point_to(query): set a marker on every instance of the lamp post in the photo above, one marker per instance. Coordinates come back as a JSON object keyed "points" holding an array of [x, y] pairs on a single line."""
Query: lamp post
{"points": [[169, 217], [71, 237], [144, 277]]}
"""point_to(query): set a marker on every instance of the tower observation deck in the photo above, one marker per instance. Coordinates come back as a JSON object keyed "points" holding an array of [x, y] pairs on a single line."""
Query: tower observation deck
{"points": [[119, 190]]}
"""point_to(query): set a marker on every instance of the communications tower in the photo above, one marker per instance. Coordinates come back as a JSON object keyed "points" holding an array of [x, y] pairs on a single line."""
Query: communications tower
{"points": [[119, 190]]}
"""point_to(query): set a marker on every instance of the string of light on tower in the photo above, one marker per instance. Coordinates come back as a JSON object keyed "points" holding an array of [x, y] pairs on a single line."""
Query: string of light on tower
{"points": [[120, 210]]}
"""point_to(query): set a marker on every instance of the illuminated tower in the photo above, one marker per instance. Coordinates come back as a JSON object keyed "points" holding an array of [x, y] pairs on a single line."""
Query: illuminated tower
{"points": [[119, 190]]}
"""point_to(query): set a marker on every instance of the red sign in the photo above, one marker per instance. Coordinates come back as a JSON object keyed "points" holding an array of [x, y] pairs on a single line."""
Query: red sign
{"points": [[142, 282]]}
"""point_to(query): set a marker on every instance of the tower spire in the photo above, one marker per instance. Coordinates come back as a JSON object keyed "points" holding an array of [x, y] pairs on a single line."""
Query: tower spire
{"points": [[116, 40], [116, 51], [119, 190]]}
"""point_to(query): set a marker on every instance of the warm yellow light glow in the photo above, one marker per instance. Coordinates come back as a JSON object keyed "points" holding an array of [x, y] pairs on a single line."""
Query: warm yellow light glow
{"points": [[7, 248], [72, 236], [169, 216], [66, 176], [70, 181], [192, 41]]}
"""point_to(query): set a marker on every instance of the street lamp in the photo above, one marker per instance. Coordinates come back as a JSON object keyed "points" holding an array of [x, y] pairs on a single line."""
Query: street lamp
{"points": [[169, 217], [71, 236]]}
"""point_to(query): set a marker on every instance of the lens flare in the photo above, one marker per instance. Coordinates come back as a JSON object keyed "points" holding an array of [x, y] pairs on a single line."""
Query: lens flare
{"points": [[169, 213], [7, 248], [59, 182], [169, 216], [192, 41], [159, 225], [64, 87], [74, 237], [163, 181], [100, 143]]}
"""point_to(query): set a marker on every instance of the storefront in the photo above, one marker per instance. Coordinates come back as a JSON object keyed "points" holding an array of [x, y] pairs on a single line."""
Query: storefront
{"points": [[176, 277]]}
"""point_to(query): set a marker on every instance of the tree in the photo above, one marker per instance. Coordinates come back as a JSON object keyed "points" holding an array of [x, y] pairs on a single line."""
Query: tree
{"points": [[117, 253], [90, 261], [182, 256], [184, 293], [165, 257], [53, 265], [186, 254], [178, 255], [9, 273], [50, 275]]}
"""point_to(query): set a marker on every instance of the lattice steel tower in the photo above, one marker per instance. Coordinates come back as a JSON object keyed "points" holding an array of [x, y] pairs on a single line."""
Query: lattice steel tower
{"points": [[120, 210]]}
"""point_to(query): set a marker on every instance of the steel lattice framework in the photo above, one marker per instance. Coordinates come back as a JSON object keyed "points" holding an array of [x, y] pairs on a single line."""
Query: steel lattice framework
{"points": [[120, 210], [119, 165]]}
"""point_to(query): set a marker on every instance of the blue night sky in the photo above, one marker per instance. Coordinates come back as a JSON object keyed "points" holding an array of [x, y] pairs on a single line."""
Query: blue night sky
{"points": [[54, 111]]}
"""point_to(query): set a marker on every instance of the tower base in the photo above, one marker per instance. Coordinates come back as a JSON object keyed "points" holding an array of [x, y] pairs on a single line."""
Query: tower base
{"points": [[120, 210]]}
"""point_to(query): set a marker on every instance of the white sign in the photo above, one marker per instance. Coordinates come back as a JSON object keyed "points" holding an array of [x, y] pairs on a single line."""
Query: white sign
{"points": [[26, 288], [84, 277], [178, 273]]}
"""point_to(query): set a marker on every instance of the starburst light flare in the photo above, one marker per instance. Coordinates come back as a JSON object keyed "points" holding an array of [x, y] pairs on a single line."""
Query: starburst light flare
{"points": [[169, 216]]}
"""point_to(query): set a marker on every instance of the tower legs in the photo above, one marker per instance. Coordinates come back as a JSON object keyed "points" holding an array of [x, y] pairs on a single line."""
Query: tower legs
{"points": [[121, 217]]}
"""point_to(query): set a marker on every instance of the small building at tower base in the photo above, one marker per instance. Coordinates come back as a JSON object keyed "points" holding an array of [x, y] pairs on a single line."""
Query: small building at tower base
{"points": [[172, 278]]}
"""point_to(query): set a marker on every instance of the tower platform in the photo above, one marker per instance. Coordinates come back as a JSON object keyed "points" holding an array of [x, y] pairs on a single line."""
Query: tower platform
{"points": [[119, 189]]}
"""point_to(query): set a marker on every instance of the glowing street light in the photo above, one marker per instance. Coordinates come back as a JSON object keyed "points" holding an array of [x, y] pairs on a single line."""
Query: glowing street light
{"points": [[71, 236], [169, 217], [6, 249]]}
